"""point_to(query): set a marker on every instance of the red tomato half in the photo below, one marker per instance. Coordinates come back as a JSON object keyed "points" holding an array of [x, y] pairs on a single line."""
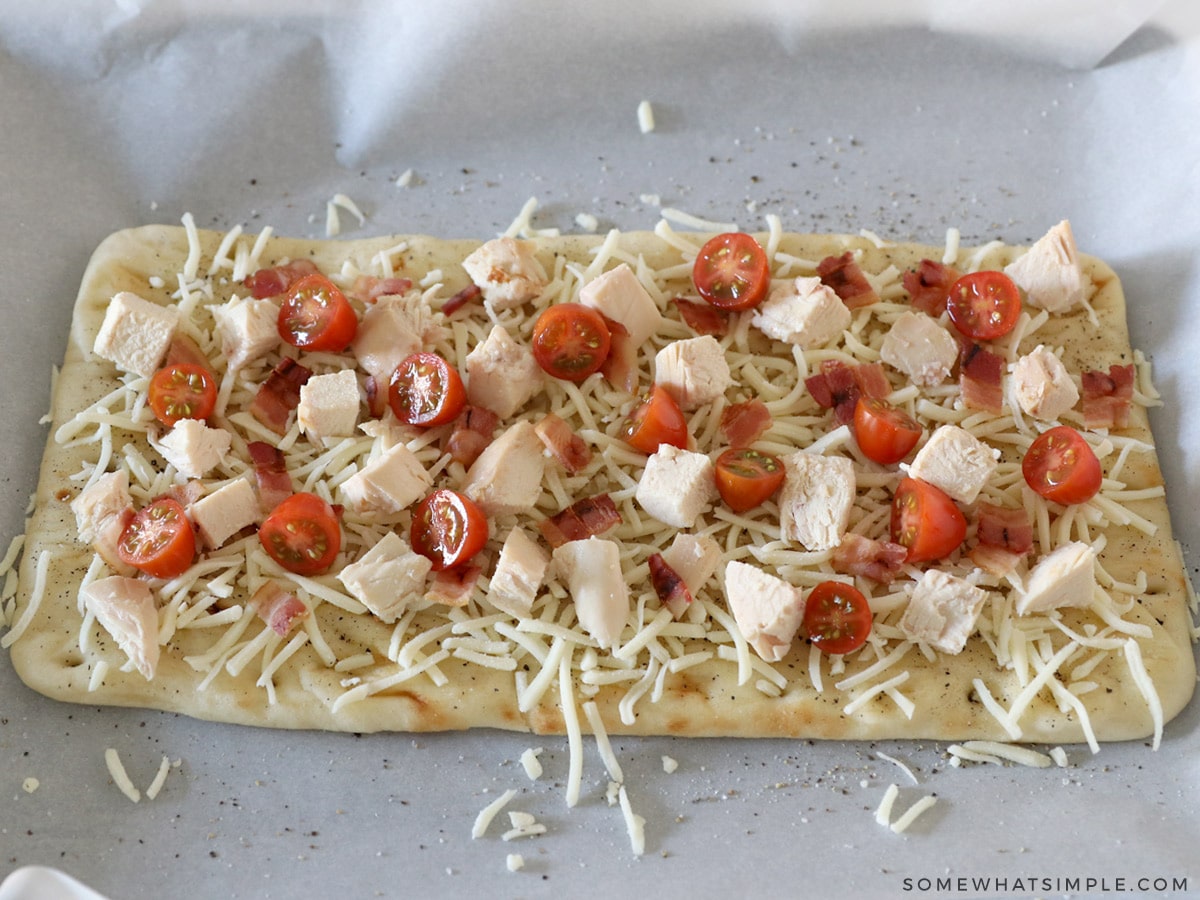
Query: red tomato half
{"points": [[448, 529], [315, 315], [926, 521], [984, 305], [657, 420], [158, 540], [571, 341], [731, 272], [1062, 467], [302, 534], [426, 390], [884, 433], [182, 391], [746, 477], [837, 617]]}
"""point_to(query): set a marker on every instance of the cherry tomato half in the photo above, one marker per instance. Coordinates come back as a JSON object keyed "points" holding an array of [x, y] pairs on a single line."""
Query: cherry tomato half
{"points": [[885, 434], [158, 539], [571, 341], [746, 477], [315, 315], [302, 534], [1062, 467], [984, 305], [926, 521], [182, 391], [426, 390], [448, 529], [731, 272], [656, 420], [837, 617]]}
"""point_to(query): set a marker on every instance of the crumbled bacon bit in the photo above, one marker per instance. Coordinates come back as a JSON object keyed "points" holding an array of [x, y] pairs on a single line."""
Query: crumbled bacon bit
{"points": [[468, 294], [620, 366], [838, 386], [565, 445], [929, 285], [274, 281], [453, 587], [981, 378], [1107, 397], [1009, 529], [702, 318], [846, 279], [589, 517], [671, 589], [279, 395], [744, 423], [369, 288], [277, 607], [878, 560], [270, 472], [472, 432]]}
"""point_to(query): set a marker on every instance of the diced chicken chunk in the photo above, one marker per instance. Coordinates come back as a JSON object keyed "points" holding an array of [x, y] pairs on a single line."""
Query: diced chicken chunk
{"points": [[125, 608], [694, 558], [193, 448], [519, 574], [507, 476], [766, 608], [501, 374], [1065, 576], [1042, 385], [389, 331], [955, 461], [920, 348], [677, 486], [942, 611], [693, 371], [135, 333], [619, 295], [225, 512], [806, 313], [387, 578], [101, 513], [814, 505], [329, 405], [248, 329], [391, 482], [1049, 271], [507, 272], [591, 569]]}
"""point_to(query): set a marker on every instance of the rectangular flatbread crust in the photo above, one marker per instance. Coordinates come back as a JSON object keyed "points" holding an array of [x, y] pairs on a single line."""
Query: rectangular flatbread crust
{"points": [[694, 677]]}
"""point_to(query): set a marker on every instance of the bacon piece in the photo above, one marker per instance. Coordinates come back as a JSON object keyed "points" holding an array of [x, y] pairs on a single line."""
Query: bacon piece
{"points": [[844, 277], [838, 386], [670, 587], [472, 432], [1009, 529], [565, 445], [591, 516], [270, 472], [279, 395], [929, 285], [277, 607], [878, 560], [468, 294], [274, 281], [453, 587], [1106, 398], [183, 349], [369, 288], [702, 318], [994, 560], [620, 366], [744, 423], [980, 378], [377, 397]]}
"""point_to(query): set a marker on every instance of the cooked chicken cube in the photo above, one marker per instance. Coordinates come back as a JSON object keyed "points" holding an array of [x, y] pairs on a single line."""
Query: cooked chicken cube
{"points": [[619, 295], [507, 476], [955, 461], [1064, 577], [101, 513], [125, 608], [814, 505], [193, 448], [225, 512], [677, 486], [135, 333], [388, 577], [507, 272], [248, 329], [920, 348], [766, 608], [694, 558], [389, 331], [391, 482], [806, 313], [942, 611], [1049, 271], [501, 374], [329, 405], [591, 569], [519, 574], [693, 371], [1042, 385]]}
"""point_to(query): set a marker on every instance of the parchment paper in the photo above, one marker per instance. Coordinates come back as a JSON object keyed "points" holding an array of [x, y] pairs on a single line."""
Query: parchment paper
{"points": [[119, 114]]}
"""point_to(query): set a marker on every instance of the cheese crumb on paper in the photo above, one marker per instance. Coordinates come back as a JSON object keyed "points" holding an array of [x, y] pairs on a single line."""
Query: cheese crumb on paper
{"points": [[645, 115]]}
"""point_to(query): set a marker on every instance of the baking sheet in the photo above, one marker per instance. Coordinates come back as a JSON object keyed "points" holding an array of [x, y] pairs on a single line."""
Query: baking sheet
{"points": [[127, 113]]}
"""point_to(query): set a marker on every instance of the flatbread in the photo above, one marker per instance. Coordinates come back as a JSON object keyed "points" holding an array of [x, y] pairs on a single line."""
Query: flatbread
{"points": [[432, 683]]}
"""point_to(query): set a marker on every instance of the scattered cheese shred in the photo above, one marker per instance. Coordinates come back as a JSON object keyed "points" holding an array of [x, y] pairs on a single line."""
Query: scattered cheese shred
{"points": [[160, 779], [112, 759], [645, 116], [635, 825], [531, 763], [489, 812], [883, 813], [602, 743], [910, 815], [997, 753]]}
